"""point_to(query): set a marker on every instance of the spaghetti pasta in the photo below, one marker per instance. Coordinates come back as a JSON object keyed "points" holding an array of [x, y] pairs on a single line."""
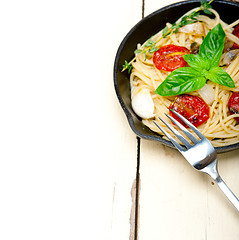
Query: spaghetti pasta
{"points": [[222, 127]]}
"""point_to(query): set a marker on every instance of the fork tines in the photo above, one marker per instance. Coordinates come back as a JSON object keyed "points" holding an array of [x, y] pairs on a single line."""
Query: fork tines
{"points": [[183, 129]]}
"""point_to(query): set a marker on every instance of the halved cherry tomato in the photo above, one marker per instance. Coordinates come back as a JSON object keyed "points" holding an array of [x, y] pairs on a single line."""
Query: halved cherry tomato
{"points": [[236, 33], [233, 104], [170, 57], [193, 108]]}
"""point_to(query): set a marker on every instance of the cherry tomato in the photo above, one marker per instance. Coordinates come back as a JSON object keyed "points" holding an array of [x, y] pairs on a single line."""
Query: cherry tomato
{"points": [[236, 33], [193, 108], [233, 104], [170, 57]]}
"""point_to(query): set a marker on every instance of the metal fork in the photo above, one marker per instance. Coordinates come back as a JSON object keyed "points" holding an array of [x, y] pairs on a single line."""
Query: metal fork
{"points": [[199, 153]]}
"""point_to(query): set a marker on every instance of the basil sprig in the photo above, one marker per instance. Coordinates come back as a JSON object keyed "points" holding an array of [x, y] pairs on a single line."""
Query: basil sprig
{"points": [[203, 66]]}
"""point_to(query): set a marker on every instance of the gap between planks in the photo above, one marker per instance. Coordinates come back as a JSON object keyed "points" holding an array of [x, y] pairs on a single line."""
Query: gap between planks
{"points": [[135, 192]]}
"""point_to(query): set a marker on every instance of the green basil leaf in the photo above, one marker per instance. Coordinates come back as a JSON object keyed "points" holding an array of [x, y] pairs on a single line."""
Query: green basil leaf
{"points": [[212, 45], [181, 80], [220, 76], [196, 62]]}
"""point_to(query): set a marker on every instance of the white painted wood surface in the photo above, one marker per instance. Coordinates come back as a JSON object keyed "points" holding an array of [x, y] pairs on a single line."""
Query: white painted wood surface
{"points": [[68, 158]]}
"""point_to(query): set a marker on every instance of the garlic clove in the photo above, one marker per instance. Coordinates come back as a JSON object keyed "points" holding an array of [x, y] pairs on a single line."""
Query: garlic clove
{"points": [[207, 93], [143, 105]]}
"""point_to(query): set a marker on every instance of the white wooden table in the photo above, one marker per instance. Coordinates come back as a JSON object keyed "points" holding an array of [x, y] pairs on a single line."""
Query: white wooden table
{"points": [[69, 160]]}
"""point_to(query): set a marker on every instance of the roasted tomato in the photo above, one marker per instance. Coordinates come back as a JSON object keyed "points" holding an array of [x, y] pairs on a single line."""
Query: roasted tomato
{"points": [[193, 108], [170, 57], [233, 104], [236, 33]]}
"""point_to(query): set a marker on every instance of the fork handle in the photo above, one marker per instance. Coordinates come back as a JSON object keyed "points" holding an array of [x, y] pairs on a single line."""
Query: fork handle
{"points": [[230, 195]]}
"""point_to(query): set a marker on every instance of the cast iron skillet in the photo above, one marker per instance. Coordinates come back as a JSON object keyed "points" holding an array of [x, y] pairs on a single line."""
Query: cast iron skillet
{"points": [[143, 30]]}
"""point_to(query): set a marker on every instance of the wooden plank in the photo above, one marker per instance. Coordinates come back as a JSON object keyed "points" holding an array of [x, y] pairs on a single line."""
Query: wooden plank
{"points": [[175, 196], [125, 154], [117, 146], [68, 156]]}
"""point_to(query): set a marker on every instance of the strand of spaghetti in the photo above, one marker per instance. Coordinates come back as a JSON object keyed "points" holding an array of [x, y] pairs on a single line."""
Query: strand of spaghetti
{"points": [[229, 26]]}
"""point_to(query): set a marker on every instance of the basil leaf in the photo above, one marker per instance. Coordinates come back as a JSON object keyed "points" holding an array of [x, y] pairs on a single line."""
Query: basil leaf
{"points": [[181, 80], [220, 76], [212, 45], [196, 62]]}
